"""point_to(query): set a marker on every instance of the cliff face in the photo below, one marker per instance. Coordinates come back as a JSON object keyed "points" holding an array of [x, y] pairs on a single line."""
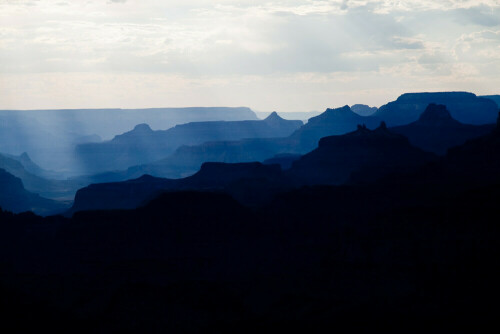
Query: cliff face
{"points": [[464, 107]]}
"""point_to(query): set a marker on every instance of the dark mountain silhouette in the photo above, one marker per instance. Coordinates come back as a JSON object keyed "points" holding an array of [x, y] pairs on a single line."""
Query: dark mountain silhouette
{"points": [[362, 155], [363, 109], [494, 98], [187, 159], [14, 197], [436, 131], [477, 161], [404, 253], [143, 145], [241, 180], [464, 107], [400, 247]]}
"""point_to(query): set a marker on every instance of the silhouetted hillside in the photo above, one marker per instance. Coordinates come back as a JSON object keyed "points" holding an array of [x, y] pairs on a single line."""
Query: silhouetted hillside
{"points": [[368, 258], [362, 155], [474, 164], [402, 247], [14, 197], [250, 183], [363, 109], [188, 159], [464, 107], [478, 160], [436, 131], [143, 145]]}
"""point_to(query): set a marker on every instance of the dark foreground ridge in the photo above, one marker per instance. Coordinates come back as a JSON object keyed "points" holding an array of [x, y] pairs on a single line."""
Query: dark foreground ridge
{"points": [[411, 252], [251, 183], [405, 242]]}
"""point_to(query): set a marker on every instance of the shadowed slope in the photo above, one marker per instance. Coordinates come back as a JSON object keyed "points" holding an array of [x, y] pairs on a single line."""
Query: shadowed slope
{"points": [[366, 258], [363, 109], [436, 131], [244, 181], [495, 98], [362, 155]]}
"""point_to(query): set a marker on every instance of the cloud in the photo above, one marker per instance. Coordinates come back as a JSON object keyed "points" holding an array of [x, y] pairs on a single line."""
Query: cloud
{"points": [[395, 41], [479, 15], [259, 41]]}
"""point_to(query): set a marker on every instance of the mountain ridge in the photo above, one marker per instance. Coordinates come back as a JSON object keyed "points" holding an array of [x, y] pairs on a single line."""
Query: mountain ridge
{"points": [[187, 159], [464, 106], [143, 145], [359, 156], [436, 130]]}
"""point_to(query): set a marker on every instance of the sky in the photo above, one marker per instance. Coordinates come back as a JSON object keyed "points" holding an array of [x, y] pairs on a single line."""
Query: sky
{"points": [[268, 55]]}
